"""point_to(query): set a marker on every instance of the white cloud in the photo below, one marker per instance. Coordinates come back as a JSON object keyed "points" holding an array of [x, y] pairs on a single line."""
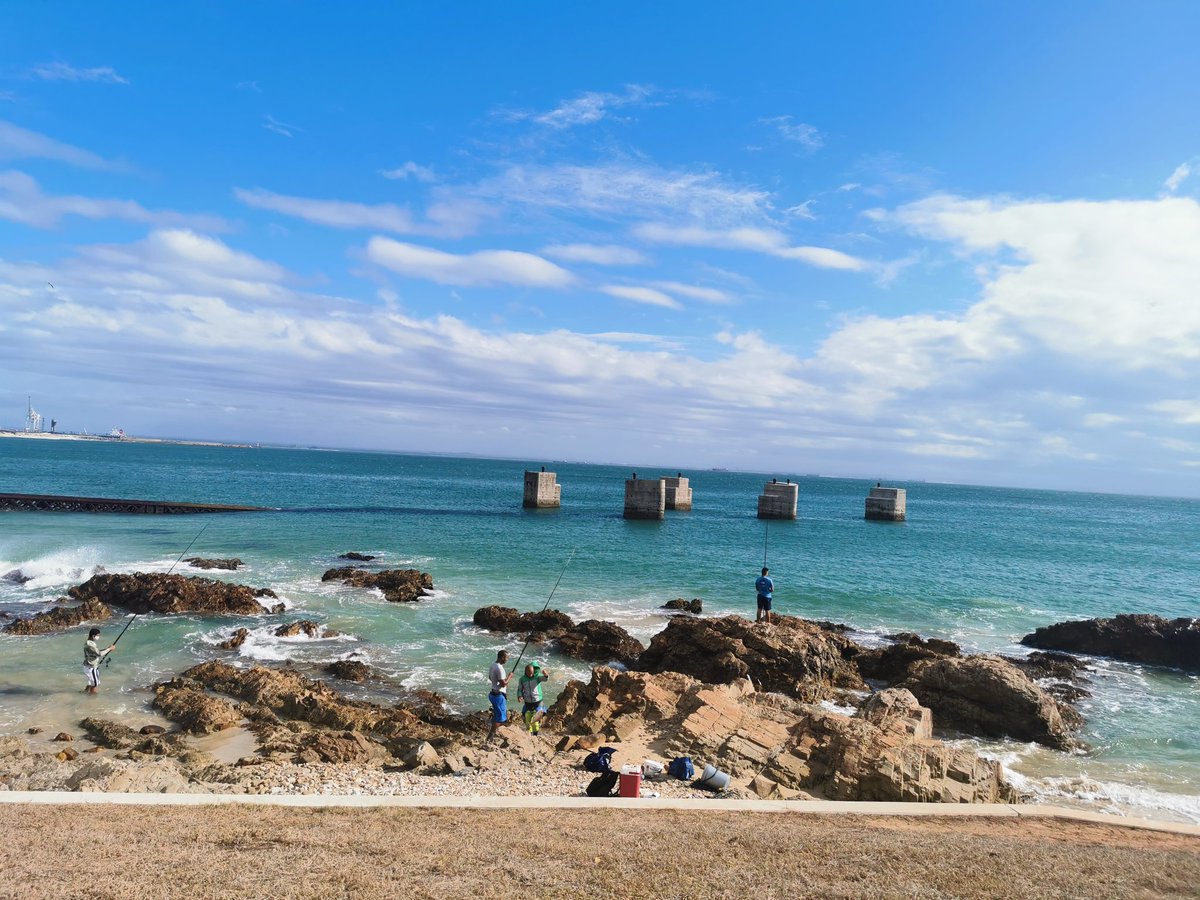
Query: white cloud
{"points": [[410, 170], [586, 109], [596, 254], [1101, 420], [22, 200], [283, 128], [800, 133], [20, 143], [482, 268], [1185, 412], [707, 294], [1178, 177], [638, 294], [757, 240], [60, 71], [443, 219]]}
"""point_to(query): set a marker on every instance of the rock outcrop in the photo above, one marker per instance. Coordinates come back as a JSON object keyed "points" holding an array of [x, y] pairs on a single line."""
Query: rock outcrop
{"points": [[680, 605], [891, 664], [593, 640], [166, 594], [190, 707], [235, 640], [783, 747], [304, 627], [356, 557], [349, 670], [110, 735], [61, 617], [16, 576], [989, 696], [397, 585], [794, 657], [1152, 640], [199, 562]]}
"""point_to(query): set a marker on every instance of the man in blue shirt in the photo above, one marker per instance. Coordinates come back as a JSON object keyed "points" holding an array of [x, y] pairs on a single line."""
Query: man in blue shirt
{"points": [[765, 587]]}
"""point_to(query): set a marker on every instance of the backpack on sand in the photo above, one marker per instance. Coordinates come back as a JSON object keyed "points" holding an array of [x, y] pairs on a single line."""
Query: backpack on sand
{"points": [[600, 761], [603, 785], [682, 768]]}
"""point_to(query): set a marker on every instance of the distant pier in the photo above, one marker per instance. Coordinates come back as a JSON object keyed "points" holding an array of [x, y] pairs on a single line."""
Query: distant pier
{"points": [[886, 504], [779, 500], [542, 490], [645, 498], [55, 503], [678, 492]]}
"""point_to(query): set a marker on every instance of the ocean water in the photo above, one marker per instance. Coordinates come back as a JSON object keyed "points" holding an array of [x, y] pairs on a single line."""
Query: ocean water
{"points": [[977, 565]]}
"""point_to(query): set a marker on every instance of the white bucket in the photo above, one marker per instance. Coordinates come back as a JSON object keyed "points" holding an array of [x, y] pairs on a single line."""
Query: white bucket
{"points": [[652, 768], [713, 778]]}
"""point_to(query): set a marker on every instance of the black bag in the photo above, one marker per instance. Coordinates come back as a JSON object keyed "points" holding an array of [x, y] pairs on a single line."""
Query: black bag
{"points": [[600, 761], [603, 785]]}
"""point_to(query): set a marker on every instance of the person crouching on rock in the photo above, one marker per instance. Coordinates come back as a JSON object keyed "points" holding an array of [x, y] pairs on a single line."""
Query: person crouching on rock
{"points": [[92, 657], [498, 696], [530, 689]]}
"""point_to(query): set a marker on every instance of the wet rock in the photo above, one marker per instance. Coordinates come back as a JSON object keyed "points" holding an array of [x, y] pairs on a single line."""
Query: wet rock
{"points": [[63, 736], [988, 696], [152, 729], [151, 592], [782, 747], [892, 664], [349, 670], [199, 562], [238, 638], [33, 731], [61, 617], [356, 557], [193, 709], [110, 735], [67, 754], [16, 576], [692, 606], [1051, 665], [1151, 640], [295, 629], [397, 585], [600, 641], [545, 625], [792, 656]]}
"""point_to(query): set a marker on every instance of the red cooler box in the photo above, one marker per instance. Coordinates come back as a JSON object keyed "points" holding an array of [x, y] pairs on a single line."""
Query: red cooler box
{"points": [[631, 782]]}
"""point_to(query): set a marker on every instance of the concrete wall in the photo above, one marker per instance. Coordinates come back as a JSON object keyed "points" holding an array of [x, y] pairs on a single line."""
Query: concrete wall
{"points": [[886, 504], [645, 498], [679, 494], [541, 491], [778, 500]]}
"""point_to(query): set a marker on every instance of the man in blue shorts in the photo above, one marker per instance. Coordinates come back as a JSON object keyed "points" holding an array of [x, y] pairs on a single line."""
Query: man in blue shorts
{"points": [[765, 588], [498, 696]]}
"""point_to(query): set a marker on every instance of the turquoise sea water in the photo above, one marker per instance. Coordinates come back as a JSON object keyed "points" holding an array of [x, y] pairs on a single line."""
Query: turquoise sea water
{"points": [[981, 566]]}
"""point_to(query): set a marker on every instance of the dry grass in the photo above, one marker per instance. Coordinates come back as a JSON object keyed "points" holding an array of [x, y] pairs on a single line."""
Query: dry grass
{"points": [[242, 851]]}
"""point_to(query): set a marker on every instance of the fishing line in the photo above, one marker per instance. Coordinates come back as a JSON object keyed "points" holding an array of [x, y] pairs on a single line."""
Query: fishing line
{"points": [[544, 608], [108, 659]]}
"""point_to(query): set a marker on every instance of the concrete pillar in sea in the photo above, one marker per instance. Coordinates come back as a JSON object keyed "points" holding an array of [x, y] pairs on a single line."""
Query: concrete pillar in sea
{"points": [[678, 492], [541, 490], [886, 504], [778, 500], [645, 498]]}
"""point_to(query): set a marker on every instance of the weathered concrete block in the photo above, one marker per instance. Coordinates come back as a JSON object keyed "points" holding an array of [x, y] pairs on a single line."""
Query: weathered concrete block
{"points": [[541, 490], [778, 500], [886, 504], [645, 498], [678, 492]]}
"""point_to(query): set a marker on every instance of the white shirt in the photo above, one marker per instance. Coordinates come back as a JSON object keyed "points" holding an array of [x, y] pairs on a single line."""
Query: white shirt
{"points": [[496, 674]]}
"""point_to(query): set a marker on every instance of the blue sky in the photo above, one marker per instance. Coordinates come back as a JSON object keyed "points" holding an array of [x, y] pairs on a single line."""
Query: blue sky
{"points": [[930, 240]]}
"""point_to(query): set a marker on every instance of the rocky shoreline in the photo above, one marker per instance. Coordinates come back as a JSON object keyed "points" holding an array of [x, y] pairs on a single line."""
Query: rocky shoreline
{"points": [[795, 710]]}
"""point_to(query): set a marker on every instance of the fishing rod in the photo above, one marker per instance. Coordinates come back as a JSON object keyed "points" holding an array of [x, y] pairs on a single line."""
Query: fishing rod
{"points": [[108, 659], [766, 531], [544, 608]]}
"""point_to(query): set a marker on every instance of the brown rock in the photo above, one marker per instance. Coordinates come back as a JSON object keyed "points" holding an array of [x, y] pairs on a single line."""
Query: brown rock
{"points": [[63, 736], [986, 695], [545, 625], [681, 605], [357, 557], [339, 747], [194, 710], [67, 754], [152, 729], [295, 629], [60, 617], [891, 664], [1152, 640], [33, 731], [792, 656], [600, 641], [151, 592], [349, 670], [110, 735], [238, 638], [199, 562], [398, 585]]}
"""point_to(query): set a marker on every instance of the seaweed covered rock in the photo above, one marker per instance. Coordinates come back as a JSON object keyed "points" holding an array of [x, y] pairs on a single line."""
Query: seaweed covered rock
{"points": [[989, 696], [1147, 639], [795, 657], [144, 592], [61, 617], [599, 641], [397, 585], [110, 735]]}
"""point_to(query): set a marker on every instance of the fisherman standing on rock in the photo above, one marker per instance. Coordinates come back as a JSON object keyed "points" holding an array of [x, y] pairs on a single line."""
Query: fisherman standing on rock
{"points": [[92, 657], [498, 696], [765, 587]]}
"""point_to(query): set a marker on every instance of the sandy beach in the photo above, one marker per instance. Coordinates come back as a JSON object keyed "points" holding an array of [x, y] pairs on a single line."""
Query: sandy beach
{"points": [[237, 850]]}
